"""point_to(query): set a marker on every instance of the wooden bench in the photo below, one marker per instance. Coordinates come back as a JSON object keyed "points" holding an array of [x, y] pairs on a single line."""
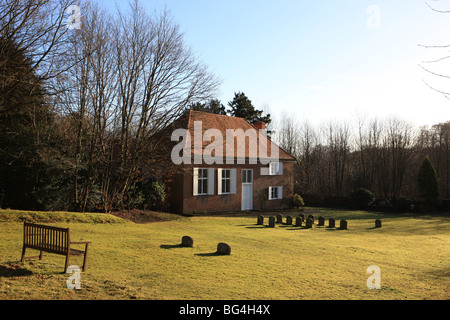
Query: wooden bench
{"points": [[52, 240]]}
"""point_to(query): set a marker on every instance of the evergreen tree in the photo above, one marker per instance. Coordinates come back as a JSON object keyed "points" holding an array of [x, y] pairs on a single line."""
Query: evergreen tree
{"points": [[428, 182], [242, 107], [24, 120], [213, 106]]}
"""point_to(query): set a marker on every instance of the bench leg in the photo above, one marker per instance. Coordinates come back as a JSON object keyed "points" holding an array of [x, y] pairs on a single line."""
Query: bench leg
{"points": [[67, 263], [85, 257], [23, 254]]}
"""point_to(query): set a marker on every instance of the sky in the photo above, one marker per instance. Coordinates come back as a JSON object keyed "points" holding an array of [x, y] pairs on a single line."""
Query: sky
{"points": [[320, 61]]}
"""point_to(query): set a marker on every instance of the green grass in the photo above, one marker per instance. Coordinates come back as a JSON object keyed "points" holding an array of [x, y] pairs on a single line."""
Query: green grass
{"points": [[144, 261]]}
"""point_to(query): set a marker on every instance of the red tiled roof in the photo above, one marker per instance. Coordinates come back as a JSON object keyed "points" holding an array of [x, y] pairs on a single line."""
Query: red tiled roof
{"points": [[260, 148]]}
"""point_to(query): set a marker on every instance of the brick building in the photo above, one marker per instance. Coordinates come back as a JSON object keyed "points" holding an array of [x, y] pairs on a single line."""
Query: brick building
{"points": [[226, 164]]}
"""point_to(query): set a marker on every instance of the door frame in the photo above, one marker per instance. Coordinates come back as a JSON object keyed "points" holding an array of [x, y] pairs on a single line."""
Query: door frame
{"points": [[246, 185]]}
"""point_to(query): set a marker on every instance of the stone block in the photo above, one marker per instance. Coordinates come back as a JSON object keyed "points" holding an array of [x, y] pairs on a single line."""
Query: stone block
{"points": [[187, 241], [223, 249]]}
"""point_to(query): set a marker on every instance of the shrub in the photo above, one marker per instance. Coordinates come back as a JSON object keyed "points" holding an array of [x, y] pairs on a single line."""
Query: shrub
{"points": [[404, 204], [149, 194], [385, 205], [362, 198], [263, 197], [298, 201]]}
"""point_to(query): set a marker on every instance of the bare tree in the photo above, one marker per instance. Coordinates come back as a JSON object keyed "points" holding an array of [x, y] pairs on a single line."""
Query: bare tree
{"points": [[39, 28], [400, 140], [158, 77], [308, 158], [288, 134], [442, 59], [87, 95], [338, 138], [133, 75]]}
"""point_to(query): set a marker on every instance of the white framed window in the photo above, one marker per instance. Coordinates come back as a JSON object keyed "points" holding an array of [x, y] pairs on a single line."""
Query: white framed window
{"points": [[273, 168], [247, 176], [226, 181], [202, 185], [275, 193], [276, 168], [203, 181]]}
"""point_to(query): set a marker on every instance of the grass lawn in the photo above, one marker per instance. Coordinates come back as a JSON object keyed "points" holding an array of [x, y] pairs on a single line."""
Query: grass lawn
{"points": [[130, 260]]}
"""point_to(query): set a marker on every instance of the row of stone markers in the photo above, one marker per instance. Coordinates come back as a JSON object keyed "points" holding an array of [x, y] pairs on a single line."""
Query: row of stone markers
{"points": [[300, 219], [309, 221]]}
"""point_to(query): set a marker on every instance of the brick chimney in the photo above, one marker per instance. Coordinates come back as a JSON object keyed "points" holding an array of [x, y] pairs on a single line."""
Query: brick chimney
{"points": [[260, 125]]}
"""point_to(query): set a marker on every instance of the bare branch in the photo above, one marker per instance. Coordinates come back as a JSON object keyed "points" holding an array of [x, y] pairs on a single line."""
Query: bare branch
{"points": [[440, 11], [446, 94], [437, 60], [434, 73]]}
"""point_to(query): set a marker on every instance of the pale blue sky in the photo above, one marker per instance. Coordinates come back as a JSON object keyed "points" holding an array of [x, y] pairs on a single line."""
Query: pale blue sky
{"points": [[320, 60]]}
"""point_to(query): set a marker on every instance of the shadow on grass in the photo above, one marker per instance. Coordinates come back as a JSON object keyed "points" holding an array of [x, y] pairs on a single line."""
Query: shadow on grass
{"points": [[172, 246], [257, 226], [328, 228], [441, 273], [252, 225], [211, 254], [14, 271]]}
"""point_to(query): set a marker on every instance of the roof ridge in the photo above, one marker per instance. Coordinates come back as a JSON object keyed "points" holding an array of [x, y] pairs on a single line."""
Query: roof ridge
{"points": [[216, 114]]}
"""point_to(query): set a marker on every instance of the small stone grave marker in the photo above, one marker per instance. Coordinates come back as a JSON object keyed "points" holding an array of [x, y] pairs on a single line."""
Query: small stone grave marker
{"points": [[377, 223], [272, 222], [332, 223], [321, 221], [298, 221], [187, 241], [289, 220], [223, 249], [343, 225], [309, 223], [260, 220], [279, 218]]}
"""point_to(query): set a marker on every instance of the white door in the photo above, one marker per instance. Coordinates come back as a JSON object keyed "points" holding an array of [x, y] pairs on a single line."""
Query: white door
{"points": [[247, 189]]}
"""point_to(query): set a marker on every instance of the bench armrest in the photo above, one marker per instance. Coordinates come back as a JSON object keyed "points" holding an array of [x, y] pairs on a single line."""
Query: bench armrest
{"points": [[80, 242]]}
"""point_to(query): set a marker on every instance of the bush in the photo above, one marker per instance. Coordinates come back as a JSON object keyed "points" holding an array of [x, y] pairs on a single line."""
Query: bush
{"points": [[404, 204], [149, 194], [385, 205], [156, 195], [263, 197], [362, 198], [298, 201]]}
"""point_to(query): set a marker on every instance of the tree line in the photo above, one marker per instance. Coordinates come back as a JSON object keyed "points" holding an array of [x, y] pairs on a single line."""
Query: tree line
{"points": [[82, 112], [81, 109], [381, 156]]}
